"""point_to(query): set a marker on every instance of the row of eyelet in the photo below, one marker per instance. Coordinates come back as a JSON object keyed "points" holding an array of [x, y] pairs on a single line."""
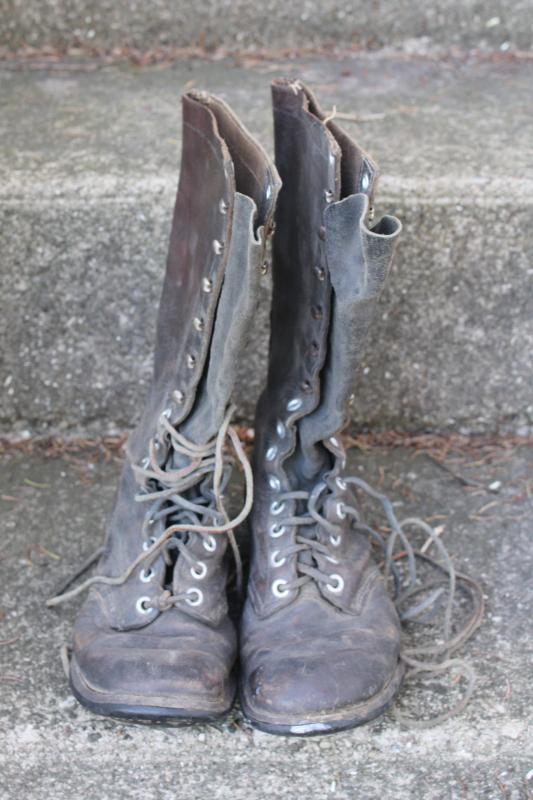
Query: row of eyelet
{"points": [[198, 322], [209, 543], [294, 404], [317, 312]]}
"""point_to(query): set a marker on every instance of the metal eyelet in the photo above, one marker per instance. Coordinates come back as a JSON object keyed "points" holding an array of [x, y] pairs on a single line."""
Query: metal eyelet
{"points": [[271, 453], [218, 247], [196, 597], [332, 560], [276, 507], [294, 404], [178, 396], [277, 590], [268, 193], [342, 485], [276, 531], [166, 414], [320, 273], [145, 463], [148, 543], [329, 195], [191, 361], [141, 606], [200, 571], [338, 586], [341, 513], [207, 285], [305, 386], [335, 540], [209, 543], [275, 561], [222, 206], [198, 323], [365, 181], [274, 483], [280, 429], [334, 441], [264, 268], [146, 575]]}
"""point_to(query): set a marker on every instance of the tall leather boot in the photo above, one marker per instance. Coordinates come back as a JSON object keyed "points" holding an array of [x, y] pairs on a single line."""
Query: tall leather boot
{"points": [[153, 639], [320, 637]]}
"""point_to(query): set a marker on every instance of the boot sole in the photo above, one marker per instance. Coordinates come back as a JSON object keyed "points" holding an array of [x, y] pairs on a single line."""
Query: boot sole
{"points": [[334, 722], [151, 715]]}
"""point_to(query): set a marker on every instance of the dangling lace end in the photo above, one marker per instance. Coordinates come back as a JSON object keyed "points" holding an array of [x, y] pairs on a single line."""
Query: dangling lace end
{"points": [[450, 665], [426, 609], [82, 569]]}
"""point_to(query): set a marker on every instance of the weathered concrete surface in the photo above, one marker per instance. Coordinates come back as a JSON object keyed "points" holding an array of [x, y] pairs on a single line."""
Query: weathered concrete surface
{"points": [[51, 747], [104, 24], [88, 169]]}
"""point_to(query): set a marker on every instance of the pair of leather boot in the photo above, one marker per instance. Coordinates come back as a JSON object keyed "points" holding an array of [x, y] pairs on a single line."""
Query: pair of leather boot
{"points": [[318, 642]]}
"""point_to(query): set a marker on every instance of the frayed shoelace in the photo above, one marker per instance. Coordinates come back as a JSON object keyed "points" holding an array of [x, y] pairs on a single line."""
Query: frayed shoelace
{"points": [[207, 464], [431, 659]]}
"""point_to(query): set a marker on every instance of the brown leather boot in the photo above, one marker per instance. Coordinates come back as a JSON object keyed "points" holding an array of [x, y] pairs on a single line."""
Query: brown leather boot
{"points": [[320, 637], [153, 639]]}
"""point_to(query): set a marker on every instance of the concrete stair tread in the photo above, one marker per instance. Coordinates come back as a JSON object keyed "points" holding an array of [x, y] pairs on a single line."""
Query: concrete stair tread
{"points": [[439, 127]]}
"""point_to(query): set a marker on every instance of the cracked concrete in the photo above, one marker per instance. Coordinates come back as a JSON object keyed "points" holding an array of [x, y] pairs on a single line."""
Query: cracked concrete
{"points": [[52, 747]]}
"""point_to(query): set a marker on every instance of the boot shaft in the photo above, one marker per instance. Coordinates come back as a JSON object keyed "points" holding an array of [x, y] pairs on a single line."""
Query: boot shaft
{"points": [[328, 270], [222, 217], [223, 213]]}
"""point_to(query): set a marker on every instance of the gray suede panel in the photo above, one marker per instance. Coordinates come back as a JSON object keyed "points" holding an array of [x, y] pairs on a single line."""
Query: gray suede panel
{"points": [[235, 310], [358, 261]]}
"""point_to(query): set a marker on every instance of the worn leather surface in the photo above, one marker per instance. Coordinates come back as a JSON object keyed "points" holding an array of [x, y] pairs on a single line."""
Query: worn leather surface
{"points": [[183, 657], [314, 654]]}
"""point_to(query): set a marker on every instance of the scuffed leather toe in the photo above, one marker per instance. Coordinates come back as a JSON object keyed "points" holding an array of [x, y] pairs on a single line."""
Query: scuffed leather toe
{"points": [[171, 668], [302, 686], [321, 667]]}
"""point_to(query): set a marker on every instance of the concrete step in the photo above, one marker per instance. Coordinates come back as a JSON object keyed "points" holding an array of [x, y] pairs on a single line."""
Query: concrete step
{"points": [[50, 747], [88, 170], [104, 24]]}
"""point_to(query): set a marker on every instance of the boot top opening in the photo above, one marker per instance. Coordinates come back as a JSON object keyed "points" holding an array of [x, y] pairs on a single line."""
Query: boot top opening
{"points": [[359, 172], [255, 173]]}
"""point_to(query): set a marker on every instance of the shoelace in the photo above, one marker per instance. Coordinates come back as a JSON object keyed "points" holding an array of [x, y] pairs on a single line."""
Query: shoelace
{"points": [[430, 659], [207, 471]]}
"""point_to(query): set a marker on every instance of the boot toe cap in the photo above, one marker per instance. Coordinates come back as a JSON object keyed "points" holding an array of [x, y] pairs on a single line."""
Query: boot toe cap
{"points": [[154, 672], [305, 688]]}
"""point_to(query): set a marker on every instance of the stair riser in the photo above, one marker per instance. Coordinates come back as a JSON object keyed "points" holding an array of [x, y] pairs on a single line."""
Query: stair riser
{"points": [[452, 344]]}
